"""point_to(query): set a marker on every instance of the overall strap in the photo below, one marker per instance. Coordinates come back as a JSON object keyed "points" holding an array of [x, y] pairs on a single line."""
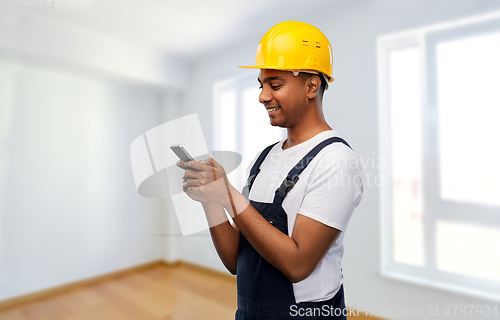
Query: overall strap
{"points": [[293, 175], [256, 169]]}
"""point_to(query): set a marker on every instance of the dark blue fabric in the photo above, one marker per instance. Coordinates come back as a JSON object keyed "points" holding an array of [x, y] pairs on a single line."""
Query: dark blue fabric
{"points": [[256, 278], [255, 170], [333, 308], [264, 292]]}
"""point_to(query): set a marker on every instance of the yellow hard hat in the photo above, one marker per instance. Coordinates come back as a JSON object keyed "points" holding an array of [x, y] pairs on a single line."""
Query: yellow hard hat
{"points": [[295, 46]]}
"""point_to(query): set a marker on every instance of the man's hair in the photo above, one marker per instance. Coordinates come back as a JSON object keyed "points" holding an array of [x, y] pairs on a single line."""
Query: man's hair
{"points": [[323, 84]]}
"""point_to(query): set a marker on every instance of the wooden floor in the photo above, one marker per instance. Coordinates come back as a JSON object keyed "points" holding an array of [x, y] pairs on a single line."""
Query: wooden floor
{"points": [[179, 292]]}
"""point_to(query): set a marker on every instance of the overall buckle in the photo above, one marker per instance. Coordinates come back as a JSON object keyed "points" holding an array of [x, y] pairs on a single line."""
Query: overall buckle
{"points": [[286, 186]]}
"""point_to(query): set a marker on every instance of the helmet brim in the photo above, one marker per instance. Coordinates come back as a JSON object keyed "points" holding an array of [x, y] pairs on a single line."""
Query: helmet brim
{"points": [[330, 78]]}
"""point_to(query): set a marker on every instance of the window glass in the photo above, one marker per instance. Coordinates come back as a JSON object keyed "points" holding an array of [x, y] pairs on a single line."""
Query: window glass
{"points": [[241, 124], [468, 249], [468, 97]]}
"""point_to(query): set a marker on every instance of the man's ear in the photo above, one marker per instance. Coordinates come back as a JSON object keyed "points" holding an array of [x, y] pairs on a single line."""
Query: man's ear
{"points": [[313, 86]]}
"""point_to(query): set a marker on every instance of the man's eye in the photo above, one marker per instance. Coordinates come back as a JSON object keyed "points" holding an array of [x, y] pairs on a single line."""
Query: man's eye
{"points": [[276, 87], [260, 87]]}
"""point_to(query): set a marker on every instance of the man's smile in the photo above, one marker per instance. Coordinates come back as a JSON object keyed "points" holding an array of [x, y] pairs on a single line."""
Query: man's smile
{"points": [[272, 110]]}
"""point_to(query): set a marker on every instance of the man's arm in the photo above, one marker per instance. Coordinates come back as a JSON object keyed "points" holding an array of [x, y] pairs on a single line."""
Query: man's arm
{"points": [[225, 237], [297, 256]]}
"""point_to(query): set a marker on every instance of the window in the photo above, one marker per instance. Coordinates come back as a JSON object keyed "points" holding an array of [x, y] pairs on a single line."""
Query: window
{"points": [[241, 123], [439, 113]]}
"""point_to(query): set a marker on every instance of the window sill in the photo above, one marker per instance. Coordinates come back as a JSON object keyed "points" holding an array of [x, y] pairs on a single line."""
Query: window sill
{"points": [[441, 285]]}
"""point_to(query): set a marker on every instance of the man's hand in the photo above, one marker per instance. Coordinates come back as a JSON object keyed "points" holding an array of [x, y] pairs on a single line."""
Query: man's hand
{"points": [[205, 181]]}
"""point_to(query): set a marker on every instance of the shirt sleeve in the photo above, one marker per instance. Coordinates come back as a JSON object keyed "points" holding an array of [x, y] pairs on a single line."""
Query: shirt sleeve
{"points": [[334, 188]]}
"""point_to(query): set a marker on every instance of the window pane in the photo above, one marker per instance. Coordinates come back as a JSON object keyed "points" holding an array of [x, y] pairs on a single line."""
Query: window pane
{"points": [[406, 147], [242, 125], [226, 120], [256, 129], [468, 85], [468, 249]]}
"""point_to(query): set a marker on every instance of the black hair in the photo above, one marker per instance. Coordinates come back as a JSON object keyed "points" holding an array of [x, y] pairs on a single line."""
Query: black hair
{"points": [[323, 84]]}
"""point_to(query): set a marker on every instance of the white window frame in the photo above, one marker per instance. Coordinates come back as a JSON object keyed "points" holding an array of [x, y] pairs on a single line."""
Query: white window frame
{"points": [[425, 39]]}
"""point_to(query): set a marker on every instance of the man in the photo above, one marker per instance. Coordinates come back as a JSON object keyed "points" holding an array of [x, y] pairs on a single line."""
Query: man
{"points": [[286, 242]]}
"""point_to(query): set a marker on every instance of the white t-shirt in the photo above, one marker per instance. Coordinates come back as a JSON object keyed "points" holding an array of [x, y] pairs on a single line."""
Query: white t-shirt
{"points": [[328, 190]]}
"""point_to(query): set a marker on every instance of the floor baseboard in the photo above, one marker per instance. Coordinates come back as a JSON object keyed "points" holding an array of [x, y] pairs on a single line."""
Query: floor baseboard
{"points": [[78, 284]]}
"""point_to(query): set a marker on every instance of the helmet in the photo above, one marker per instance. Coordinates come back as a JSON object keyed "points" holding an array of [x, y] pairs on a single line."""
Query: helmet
{"points": [[295, 46]]}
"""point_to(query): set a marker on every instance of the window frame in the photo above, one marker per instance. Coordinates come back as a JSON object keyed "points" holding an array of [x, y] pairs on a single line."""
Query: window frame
{"points": [[435, 209]]}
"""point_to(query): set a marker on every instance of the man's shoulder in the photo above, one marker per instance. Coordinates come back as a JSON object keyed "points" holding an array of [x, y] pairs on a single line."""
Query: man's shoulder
{"points": [[340, 147], [337, 155]]}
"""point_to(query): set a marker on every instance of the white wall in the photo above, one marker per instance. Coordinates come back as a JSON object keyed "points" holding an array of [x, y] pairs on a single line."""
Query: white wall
{"points": [[71, 103], [33, 37], [350, 107], [69, 208]]}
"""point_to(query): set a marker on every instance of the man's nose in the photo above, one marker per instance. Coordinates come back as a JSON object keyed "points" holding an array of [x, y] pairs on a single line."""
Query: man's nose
{"points": [[264, 96]]}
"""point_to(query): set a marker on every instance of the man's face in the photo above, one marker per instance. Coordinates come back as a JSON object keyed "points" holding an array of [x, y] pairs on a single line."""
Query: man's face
{"points": [[287, 93]]}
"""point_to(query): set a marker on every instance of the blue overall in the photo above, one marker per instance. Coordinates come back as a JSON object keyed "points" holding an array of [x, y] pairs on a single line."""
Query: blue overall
{"points": [[264, 292]]}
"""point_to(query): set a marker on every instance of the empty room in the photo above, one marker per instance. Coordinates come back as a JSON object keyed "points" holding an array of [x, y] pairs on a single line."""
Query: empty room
{"points": [[282, 159]]}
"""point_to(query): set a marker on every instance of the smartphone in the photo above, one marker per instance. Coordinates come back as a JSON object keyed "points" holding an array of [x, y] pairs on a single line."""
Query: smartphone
{"points": [[181, 152]]}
